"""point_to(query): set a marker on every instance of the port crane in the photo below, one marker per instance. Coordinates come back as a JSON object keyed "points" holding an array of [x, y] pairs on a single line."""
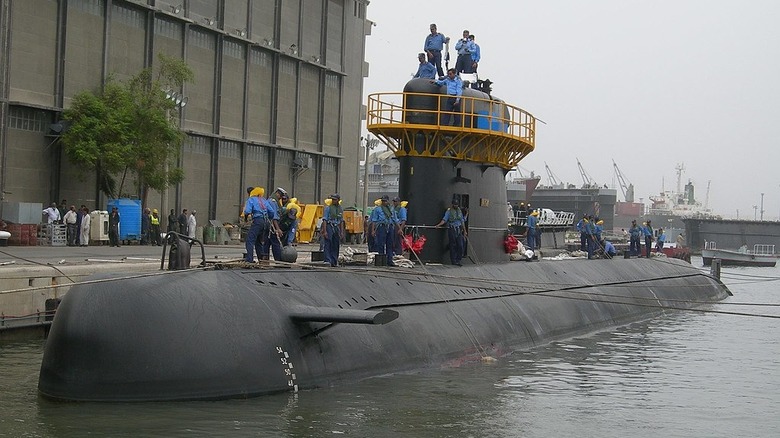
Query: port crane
{"points": [[587, 180], [625, 186], [553, 181]]}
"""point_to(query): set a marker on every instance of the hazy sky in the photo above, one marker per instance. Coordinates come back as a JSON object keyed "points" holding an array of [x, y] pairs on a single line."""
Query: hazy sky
{"points": [[649, 84]]}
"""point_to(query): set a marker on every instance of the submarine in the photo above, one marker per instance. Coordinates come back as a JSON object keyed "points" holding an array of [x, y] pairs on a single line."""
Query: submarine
{"points": [[215, 332]]}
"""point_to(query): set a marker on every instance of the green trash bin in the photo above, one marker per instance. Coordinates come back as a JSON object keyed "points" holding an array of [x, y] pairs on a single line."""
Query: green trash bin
{"points": [[209, 235]]}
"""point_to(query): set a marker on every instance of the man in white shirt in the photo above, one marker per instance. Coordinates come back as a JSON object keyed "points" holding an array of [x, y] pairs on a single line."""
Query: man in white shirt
{"points": [[52, 213], [192, 224], [70, 222]]}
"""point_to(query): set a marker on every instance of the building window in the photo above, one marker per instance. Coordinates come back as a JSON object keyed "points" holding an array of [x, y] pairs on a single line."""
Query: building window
{"points": [[199, 145], [283, 156], [228, 149], [167, 28], [257, 153], [129, 17], [28, 119], [92, 7], [261, 58], [287, 67], [234, 50], [328, 164], [202, 39]]}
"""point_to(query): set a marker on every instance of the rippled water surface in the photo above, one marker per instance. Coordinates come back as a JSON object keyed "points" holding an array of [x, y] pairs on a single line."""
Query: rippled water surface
{"points": [[683, 374]]}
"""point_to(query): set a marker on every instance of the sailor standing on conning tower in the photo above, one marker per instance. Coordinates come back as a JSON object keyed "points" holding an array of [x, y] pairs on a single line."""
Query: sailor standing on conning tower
{"points": [[456, 232]]}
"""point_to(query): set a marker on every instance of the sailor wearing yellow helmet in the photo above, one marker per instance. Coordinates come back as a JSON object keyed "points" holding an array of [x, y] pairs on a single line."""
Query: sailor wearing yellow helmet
{"points": [[384, 220], [272, 241], [400, 224], [332, 229], [288, 223], [155, 227], [531, 227], [259, 210]]}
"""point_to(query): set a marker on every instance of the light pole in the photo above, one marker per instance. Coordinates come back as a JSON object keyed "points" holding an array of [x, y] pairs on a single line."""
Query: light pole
{"points": [[179, 102], [370, 144], [755, 210], [762, 206]]}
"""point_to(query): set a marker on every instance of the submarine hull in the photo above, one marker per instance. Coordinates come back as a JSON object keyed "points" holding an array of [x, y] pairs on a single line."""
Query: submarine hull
{"points": [[212, 334]]}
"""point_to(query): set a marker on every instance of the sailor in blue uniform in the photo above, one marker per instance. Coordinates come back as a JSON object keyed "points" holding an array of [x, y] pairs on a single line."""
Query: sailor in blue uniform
{"points": [[400, 216], [456, 232], [583, 236], [257, 208], [333, 229], [384, 220], [647, 229], [635, 232], [590, 234], [530, 224]]}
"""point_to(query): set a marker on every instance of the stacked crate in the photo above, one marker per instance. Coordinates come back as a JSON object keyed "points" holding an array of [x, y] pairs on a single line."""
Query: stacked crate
{"points": [[53, 235], [23, 234]]}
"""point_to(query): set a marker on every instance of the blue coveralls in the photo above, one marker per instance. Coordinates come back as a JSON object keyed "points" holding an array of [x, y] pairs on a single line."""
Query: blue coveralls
{"points": [[453, 217], [384, 224], [452, 104], [590, 233], [271, 242], [400, 214], [648, 231], [333, 216], [583, 236], [633, 243], [258, 209], [531, 224]]}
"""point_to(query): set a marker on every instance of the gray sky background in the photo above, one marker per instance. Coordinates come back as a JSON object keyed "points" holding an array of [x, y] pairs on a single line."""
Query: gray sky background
{"points": [[649, 84]]}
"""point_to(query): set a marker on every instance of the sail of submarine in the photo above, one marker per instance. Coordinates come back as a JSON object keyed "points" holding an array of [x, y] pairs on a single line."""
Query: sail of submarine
{"points": [[227, 333]]}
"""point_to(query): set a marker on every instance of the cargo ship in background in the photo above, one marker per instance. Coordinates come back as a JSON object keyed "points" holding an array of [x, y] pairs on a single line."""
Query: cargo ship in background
{"points": [[667, 209]]}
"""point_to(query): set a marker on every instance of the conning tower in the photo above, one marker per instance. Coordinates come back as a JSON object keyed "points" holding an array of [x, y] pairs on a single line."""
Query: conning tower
{"points": [[466, 160]]}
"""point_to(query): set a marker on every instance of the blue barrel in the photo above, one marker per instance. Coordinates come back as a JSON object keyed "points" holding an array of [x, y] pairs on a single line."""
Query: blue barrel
{"points": [[129, 217]]}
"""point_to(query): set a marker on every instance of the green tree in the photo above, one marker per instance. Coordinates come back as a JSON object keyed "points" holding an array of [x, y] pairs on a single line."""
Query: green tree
{"points": [[130, 129]]}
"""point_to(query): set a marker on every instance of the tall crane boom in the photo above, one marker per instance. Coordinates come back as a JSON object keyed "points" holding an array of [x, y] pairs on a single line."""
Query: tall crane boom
{"points": [[625, 186], [550, 176], [586, 179]]}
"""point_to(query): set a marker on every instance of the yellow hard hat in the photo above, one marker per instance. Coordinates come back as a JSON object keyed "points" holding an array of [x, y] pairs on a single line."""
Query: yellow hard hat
{"points": [[534, 213], [328, 201], [155, 211], [257, 191], [294, 200], [404, 203], [378, 202], [600, 222]]}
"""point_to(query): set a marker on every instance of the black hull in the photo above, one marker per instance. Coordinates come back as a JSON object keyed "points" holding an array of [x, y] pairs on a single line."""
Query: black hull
{"points": [[728, 262], [226, 334]]}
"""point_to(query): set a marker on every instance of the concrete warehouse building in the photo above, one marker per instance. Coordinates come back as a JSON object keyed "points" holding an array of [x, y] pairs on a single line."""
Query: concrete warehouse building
{"points": [[276, 100]]}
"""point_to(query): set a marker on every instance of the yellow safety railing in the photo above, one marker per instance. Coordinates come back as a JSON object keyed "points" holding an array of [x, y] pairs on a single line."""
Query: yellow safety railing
{"points": [[423, 124]]}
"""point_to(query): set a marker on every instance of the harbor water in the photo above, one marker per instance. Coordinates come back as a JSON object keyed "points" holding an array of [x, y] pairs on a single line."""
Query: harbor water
{"points": [[684, 374]]}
